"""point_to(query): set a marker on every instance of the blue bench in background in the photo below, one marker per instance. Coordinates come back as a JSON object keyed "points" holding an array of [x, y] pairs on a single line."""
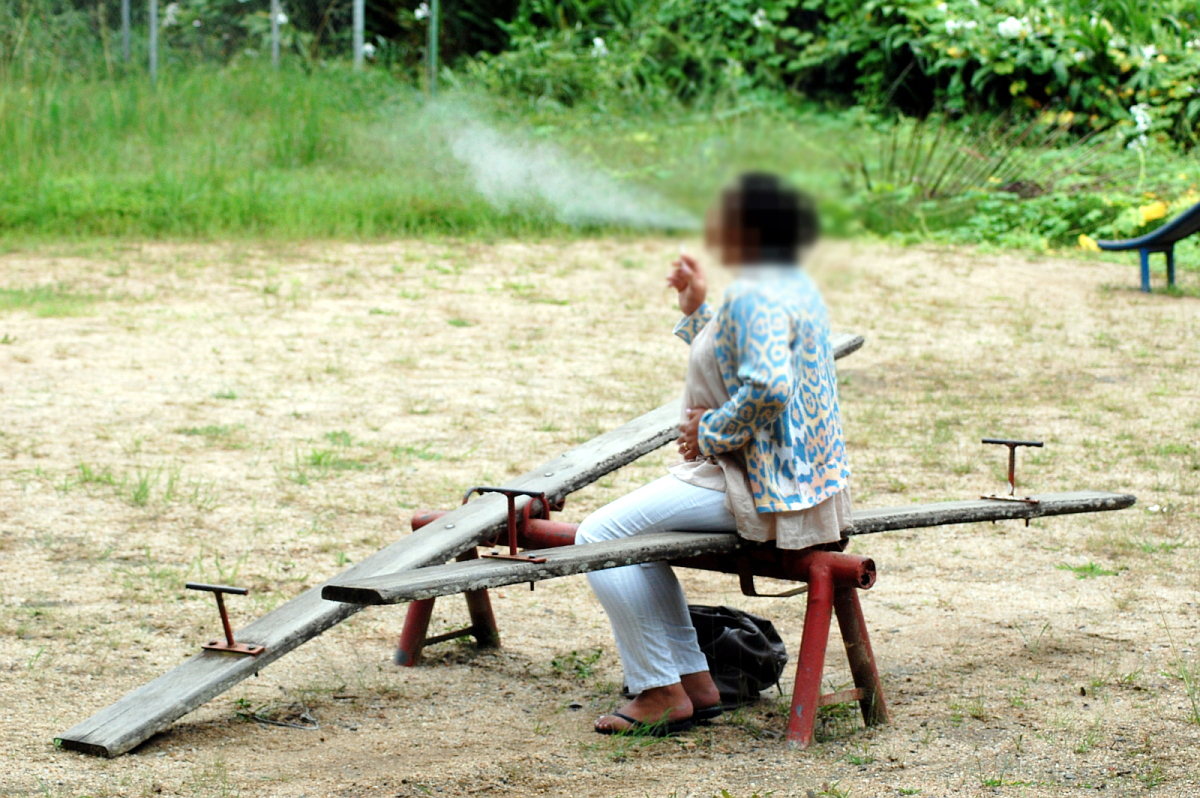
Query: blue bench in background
{"points": [[1161, 240]]}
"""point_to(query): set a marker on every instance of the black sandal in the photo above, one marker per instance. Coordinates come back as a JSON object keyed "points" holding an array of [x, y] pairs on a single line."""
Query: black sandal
{"points": [[708, 713], [659, 728]]}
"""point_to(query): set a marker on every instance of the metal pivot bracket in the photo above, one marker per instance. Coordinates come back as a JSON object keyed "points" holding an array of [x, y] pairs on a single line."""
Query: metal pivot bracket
{"points": [[1012, 471], [511, 495], [745, 572], [230, 644]]}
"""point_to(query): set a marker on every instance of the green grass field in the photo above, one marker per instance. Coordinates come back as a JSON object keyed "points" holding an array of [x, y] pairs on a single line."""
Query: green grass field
{"points": [[213, 153], [241, 152]]}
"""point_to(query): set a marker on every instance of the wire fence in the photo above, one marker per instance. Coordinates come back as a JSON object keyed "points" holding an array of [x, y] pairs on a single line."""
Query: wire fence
{"points": [[277, 19], [77, 37]]}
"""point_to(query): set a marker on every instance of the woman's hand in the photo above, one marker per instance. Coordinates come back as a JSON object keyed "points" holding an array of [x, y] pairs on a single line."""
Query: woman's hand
{"points": [[688, 279], [689, 434]]}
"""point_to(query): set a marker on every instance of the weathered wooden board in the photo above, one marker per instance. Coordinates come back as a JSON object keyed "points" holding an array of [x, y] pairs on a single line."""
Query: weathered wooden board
{"points": [[458, 577], [883, 519], [206, 674]]}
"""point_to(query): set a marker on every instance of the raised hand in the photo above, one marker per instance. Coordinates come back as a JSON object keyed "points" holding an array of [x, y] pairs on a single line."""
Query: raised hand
{"points": [[687, 278]]}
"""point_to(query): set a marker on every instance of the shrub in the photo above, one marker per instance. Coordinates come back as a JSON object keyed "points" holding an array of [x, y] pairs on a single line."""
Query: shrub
{"points": [[1097, 65]]}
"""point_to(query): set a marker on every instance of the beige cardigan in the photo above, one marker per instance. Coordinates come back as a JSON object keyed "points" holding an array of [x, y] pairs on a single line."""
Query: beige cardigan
{"points": [[798, 529]]}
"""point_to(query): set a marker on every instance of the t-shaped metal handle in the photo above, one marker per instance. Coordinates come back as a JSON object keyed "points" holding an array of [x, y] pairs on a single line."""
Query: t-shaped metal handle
{"points": [[230, 644], [1012, 458]]}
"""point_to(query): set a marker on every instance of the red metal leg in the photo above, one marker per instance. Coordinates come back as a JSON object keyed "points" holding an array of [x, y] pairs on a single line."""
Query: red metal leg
{"points": [[858, 652], [479, 606], [806, 693], [412, 639], [483, 622], [415, 637]]}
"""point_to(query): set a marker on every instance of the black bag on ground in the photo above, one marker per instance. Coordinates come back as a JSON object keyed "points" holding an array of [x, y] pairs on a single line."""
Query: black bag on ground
{"points": [[745, 653]]}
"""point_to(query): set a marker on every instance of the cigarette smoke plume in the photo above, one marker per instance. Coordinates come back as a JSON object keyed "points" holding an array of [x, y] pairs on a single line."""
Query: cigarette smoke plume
{"points": [[509, 171]]}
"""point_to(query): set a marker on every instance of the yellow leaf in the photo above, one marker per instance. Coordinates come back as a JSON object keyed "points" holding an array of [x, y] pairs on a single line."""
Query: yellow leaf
{"points": [[954, 52], [1162, 59], [1087, 243], [1155, 210]]}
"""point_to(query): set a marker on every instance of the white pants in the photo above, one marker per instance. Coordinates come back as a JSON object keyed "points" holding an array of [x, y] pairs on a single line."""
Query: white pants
{"points": [[645, 604]]}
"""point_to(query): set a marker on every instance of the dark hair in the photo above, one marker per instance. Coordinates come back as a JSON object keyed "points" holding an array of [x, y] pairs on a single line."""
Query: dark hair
{"points": [[772, 220]]}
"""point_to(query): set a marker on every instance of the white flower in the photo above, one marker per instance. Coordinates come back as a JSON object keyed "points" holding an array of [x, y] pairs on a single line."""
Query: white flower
{"points": [[1012, 27], [170, 15], [1141, 122], [1148, 51], [1193, 44], [942, 7], [1141, 117], [599, 48], [281, 18], [954, 25], [369, 50], [422, 11], [759, 20], [1080, 56], [196, 23]]}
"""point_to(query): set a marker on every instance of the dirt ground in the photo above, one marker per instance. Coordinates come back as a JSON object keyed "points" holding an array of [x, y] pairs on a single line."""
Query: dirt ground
{"points": [[263, 415]]}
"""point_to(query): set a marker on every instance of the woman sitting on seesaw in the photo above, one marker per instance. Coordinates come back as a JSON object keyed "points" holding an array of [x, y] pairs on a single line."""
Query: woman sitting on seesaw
{"points": [[761, 440]]}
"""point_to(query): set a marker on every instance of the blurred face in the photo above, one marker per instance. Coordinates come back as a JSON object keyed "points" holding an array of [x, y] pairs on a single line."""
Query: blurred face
{"points": [[723, 231]]}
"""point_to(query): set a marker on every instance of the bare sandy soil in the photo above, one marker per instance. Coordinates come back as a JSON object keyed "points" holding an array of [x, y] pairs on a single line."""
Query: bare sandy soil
{"points": [[264, 415]]}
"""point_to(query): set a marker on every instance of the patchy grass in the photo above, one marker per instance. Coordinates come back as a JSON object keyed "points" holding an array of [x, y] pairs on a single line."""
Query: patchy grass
{"points": [[1086, 571], [121, 477], [46, 302]]}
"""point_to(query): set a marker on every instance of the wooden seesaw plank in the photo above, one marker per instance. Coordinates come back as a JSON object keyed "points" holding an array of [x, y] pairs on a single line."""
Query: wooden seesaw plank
{"points": [[915, 516], [206, 674], [459, 577]]}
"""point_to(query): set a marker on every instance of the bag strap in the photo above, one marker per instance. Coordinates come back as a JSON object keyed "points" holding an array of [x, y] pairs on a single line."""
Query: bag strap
{"points": [[745, 572]]}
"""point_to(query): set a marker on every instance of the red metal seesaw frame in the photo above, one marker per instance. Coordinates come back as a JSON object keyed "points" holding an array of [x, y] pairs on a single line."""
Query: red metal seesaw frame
{"points": [[833, 581], [479, 605]]}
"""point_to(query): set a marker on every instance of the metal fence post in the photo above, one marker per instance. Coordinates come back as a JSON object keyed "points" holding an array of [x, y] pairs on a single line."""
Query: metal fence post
{"points": [[431, 49], [154, 40], [275, 12], [359, 22], [125, 29]]}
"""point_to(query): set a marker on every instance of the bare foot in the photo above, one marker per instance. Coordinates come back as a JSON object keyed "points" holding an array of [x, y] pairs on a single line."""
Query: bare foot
{"points": [[701, 690], [670, 703]]}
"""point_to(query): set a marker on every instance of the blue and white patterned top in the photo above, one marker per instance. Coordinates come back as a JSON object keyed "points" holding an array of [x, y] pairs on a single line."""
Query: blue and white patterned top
{"points": [[773, 348]]}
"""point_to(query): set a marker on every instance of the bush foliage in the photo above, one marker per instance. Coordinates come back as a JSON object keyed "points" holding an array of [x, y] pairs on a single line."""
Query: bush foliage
{"points": [[1092, 63], [1096, 63], [1002, 122]]}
